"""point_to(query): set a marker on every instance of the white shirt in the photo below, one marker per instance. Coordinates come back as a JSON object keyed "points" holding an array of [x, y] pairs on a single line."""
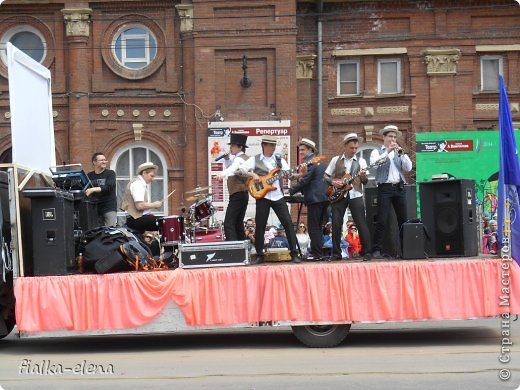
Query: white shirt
{"points": [[393, 173], [348, 165], [270, 163], [139, 192], [232, 164]]}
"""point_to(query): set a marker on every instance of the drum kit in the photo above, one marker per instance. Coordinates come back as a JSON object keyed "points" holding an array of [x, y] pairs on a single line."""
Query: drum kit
{"points": [[188, 227]]}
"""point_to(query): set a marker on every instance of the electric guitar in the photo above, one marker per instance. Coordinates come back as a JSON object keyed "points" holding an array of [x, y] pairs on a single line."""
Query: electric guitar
{"points": [[335, 194], [259, 188]]}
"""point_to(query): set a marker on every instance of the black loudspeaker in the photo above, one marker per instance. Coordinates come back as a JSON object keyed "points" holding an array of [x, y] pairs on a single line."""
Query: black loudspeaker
{"points": [[391, 240], [52, 231], [413, 241], [449, 213], [85, 213]]}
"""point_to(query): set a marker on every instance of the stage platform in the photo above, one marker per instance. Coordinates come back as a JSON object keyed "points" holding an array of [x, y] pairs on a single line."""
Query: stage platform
{"points": [[345, 291]]}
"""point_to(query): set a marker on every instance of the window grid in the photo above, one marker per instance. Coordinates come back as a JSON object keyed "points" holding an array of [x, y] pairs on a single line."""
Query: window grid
{"points": [[389, 76], [490, 68], [348, 78], [135, 47]]}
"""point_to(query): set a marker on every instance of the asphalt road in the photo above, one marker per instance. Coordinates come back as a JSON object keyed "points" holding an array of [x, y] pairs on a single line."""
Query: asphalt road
{"points": [[424, 355]]}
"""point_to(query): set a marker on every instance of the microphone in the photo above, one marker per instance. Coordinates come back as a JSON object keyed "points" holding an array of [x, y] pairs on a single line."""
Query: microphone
{"points": [[221, 156]]}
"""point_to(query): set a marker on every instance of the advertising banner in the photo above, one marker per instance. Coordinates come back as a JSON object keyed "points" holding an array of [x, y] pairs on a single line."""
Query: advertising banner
{"points": [[463, 155], [218, 139]]}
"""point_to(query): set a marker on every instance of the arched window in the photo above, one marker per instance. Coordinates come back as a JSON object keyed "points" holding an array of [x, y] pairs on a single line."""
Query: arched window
{"points": [[125, 164]]}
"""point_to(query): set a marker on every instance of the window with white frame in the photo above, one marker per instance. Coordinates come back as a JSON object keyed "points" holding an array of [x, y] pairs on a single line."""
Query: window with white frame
{"points": [[388, 76], [490, 68], [348, 78], [135, 47], [27, 39], [125, 164]]}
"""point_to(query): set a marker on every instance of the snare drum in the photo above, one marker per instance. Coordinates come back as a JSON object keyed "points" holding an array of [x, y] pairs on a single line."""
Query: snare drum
{"points": [[203, 209], [171, 229]]}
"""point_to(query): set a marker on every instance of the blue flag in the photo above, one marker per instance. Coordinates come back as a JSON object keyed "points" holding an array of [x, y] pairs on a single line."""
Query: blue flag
{"points": [[508, 178]]}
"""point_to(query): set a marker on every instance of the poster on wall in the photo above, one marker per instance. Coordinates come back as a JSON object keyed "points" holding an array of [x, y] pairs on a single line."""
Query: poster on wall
{"points": [[463, 155], [218, 139]]}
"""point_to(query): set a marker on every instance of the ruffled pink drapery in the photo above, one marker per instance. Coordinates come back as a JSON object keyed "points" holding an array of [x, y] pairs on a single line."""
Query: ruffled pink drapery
{"points": [[388, 291]]}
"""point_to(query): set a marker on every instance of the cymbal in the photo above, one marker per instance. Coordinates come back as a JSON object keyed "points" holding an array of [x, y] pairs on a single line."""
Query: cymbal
{"points": [[197, 189], [195, 197]]}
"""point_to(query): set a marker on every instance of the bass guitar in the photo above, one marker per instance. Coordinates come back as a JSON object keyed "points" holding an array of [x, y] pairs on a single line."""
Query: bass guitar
{"points": [[259, 188], [335, 194]]}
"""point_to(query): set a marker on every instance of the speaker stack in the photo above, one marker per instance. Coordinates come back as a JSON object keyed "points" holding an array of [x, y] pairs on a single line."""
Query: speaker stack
{"points": [[448, 212], [391, 241]]}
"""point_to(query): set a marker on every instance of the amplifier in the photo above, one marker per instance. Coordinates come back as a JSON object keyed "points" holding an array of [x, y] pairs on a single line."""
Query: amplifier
{"points": [[221, 254], [413, 241]]}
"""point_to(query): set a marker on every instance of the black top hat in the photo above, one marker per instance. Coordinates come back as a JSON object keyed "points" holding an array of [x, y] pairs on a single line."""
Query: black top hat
{"points": [[238, 139]]}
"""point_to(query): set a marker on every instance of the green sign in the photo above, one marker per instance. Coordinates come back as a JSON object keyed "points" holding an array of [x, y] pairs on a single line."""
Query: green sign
{"points": [[463, 155]]}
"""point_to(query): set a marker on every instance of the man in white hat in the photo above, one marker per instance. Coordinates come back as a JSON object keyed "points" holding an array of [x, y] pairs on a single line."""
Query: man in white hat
{"points": [[236, 184], [348, 165], [261, 165], [136, 200], [390, 179], [310, 183]]}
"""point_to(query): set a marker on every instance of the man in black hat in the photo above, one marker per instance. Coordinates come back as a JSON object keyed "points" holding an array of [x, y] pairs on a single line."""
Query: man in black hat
{"points": [[390, 183], [236, 183]]}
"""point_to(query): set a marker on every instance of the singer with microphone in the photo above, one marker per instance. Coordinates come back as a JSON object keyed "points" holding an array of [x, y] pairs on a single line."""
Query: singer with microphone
{"points": [[236, 183], [390, 179]]}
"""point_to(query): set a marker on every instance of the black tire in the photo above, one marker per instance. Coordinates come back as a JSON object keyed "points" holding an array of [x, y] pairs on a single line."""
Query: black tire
{"points": [[7, 305], [321, 336]]}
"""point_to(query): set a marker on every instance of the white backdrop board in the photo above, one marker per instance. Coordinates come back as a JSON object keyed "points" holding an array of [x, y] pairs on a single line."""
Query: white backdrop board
{"points": [[30, 98], [218, 138]]}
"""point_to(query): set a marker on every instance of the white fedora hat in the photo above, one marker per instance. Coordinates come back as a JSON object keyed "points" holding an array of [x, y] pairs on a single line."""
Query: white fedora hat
{"points": [[307, 142], [352, 137], [390, 129], [269, 139], [145, 166]]}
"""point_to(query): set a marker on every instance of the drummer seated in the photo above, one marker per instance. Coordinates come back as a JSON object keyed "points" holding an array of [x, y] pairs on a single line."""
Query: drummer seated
{"points": [[136, 200]]}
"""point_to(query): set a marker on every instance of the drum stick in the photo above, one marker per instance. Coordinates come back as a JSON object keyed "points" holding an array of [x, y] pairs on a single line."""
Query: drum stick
{"points": [[167, 196]]}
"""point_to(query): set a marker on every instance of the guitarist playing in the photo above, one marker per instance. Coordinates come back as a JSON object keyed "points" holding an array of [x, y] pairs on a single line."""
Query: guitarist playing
{"points": [[340, 169], [261, 165], [310, 183]]}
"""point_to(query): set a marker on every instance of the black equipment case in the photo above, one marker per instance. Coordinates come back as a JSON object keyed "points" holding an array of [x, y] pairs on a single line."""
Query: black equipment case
{"points": [[215, 254]]}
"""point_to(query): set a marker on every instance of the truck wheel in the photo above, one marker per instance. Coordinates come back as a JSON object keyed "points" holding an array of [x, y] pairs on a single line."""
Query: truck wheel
{"points": [[321, 336], [7, 304]]}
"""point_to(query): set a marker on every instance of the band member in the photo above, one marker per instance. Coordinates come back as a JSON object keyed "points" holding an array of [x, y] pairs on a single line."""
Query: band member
{"points": [[390, 183], [340, 166], [261, 165], [236, 184], [103, 190], [136, 200], [311, 184]]}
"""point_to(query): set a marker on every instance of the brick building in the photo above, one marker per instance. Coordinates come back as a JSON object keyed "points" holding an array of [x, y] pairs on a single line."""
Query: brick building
{"points": [[139, 80]]}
